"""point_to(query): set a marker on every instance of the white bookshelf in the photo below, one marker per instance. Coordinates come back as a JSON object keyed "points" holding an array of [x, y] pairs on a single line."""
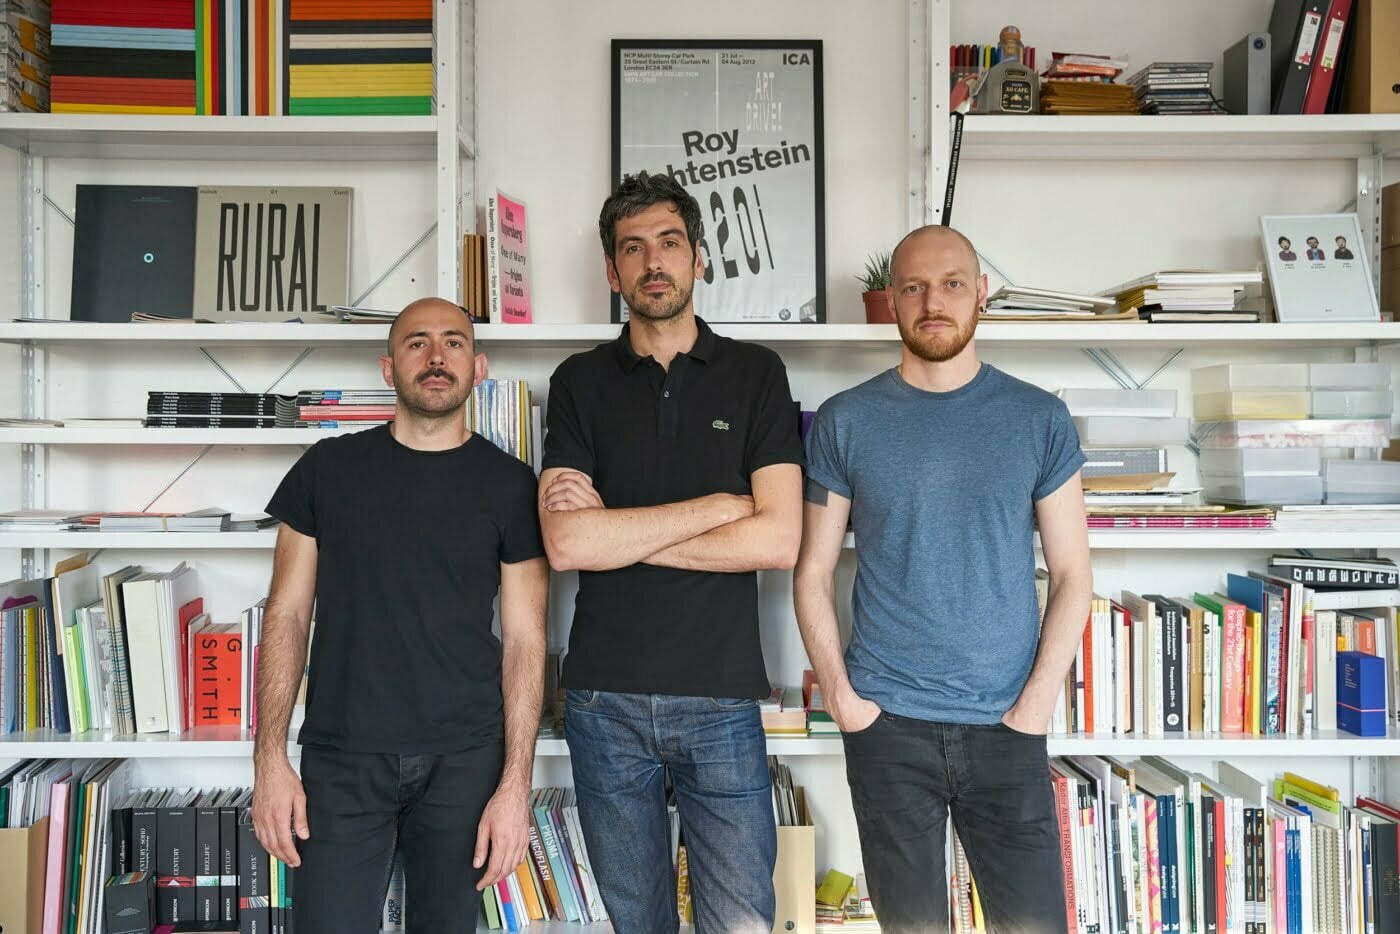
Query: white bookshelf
{"points": [[1099, 539], [989, 333], [233, 743], [1195, 136], [177, 136]]}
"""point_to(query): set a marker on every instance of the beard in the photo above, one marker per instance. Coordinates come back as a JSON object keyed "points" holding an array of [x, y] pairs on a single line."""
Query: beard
{"points": [[662, 306], [939, 346], [430, 403]]}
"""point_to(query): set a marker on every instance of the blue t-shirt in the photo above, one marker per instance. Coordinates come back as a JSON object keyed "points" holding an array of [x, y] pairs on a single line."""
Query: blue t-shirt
{"points": [[942, 488]]}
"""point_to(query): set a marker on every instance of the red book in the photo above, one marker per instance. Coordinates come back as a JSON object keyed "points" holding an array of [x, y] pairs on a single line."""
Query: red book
{"points": [[1324, 67], [1088, 672], [1365, 635], [1233, 668], [187, 613], [217, 677], [1061, 785]]}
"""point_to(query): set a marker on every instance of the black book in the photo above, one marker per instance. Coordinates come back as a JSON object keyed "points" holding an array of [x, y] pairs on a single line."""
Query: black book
{"points": [[1173, 701], [175, 864], [1208, 862], [288, 899], [375, 56], [209, 421], [1336, 574], [133, 250], [206, 859], [1249, 890], [143, 834], [254, 887], [228, 864], [209, 407], [123, 853], [1302, 47], [1384, 868]]}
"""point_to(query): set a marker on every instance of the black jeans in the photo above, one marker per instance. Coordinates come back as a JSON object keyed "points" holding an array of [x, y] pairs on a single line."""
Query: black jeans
{"points": [[907, 775], [360, 807]]}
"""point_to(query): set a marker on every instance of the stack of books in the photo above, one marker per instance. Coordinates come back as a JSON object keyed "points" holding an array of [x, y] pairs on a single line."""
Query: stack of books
{"points": [[1083, 84], [42, 520], [783, 713], [337, 408], [844, 901], [1150, 846], [211, 519], [360, 57], [1175, 88], [1261, 658], [1176, 296], [139, 58], [211, 409], [1018, 303], [24, 55]]}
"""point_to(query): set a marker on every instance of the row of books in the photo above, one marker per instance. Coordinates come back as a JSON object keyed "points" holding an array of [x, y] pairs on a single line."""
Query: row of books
{"points": [[359, 57], [554, 882], [1148, 846], [77, 829], [131, 651], [1263, 658], [791, 711], [209, 519]]}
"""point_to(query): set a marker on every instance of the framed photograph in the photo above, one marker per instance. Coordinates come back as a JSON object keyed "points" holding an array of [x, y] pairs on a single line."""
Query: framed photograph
{"points": [[739, 124], [1317, 268]]}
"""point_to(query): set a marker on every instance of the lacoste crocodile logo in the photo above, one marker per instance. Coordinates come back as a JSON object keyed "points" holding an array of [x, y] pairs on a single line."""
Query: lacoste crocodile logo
{"points": [[719, 424]]}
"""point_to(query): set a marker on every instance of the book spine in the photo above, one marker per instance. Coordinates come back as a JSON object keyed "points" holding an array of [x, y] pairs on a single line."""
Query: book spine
{"points": [[551, 893], [493, 259], [228, 865], [1171, 668], [206, 859]]}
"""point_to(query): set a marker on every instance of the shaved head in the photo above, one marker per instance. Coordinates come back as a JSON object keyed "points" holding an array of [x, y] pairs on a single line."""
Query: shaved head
{"points": [[934, 231], [435, 303]]}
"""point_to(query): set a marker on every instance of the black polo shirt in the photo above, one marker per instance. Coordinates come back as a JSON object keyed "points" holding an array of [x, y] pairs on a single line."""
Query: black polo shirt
{"points": [[650, 436]]}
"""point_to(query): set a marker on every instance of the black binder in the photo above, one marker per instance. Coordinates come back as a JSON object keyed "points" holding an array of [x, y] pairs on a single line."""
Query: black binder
{"points": [[1301, 48]]}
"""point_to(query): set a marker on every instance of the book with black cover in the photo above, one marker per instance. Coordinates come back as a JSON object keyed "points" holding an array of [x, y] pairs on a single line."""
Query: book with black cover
{"points": [[228, 864], [175, 864], [206, 861], [254, 887], [1173, 701], [143, 833], [133, 250], [1384, 870]]}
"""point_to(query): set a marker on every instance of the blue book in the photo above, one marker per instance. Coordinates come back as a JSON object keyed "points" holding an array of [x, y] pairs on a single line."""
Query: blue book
{"points": [[555, 854], [1166, 847], [1361, 694]]}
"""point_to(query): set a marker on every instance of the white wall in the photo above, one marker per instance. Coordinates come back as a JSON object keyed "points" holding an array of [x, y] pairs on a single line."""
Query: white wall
{"points": [[544, 137]]}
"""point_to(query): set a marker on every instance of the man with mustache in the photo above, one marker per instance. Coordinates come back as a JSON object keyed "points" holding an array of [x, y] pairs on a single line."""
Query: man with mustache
{"points": [[420, 724], [944, 465], [672, 474]]}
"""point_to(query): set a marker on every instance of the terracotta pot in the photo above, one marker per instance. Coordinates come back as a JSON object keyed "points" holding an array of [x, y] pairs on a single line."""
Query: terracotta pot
{"points": [[877, 307]]}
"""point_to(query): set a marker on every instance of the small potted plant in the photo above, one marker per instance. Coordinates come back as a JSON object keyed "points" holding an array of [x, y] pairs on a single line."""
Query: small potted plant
{"points": [[876, 297]]}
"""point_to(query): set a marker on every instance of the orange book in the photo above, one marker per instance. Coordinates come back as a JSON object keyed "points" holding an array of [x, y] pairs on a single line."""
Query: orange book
{"points": [[1087, 715], [528, 891], [217, 675]]}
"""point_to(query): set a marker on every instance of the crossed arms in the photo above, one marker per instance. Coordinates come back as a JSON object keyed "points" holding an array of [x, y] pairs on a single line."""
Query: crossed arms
{"points": [[718, 532]]}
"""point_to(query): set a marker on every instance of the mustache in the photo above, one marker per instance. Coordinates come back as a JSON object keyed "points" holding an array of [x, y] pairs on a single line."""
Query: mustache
{"points": [[939, 318], [435, 373], [657, 277]]}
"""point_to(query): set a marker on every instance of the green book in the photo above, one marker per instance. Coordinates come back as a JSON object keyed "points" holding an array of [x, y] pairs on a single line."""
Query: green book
{"points": [[832, 891], [488, 905], [1283, 789], [77, 807]]}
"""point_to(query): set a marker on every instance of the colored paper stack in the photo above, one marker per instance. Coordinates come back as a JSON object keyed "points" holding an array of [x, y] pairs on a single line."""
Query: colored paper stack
{"points": [[241, 58], [360, 57], [136, 57], [24, 55]]}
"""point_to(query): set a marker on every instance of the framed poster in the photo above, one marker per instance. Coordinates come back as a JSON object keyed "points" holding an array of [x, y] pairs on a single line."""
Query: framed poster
{"points": [[739, 124], [1317, 268]]}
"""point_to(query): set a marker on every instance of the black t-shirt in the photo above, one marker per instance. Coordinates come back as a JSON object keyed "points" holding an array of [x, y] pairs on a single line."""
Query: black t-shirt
{"points": [[410, 546], [648, 436]]}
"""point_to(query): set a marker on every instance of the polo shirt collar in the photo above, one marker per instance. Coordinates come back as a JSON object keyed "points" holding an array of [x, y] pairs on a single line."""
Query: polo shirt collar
{"points": [[703, 348]]}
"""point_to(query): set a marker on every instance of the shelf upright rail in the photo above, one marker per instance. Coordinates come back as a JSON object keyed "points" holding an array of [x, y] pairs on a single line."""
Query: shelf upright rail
{"points": [[34, 358]]}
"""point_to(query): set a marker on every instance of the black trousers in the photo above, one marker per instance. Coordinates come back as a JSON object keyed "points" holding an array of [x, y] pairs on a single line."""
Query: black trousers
{"points": [[361, 807], [907, 776]]}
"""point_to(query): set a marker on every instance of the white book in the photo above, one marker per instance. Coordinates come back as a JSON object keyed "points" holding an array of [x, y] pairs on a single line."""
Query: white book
{"points": [[140, 596], [1325, 645], [1122, 674], [1353, 599], [1188, 279], [585, 865]]}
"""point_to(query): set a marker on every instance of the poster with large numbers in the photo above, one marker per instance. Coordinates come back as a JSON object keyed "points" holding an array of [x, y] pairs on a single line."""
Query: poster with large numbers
{"points": [[739, 124]]}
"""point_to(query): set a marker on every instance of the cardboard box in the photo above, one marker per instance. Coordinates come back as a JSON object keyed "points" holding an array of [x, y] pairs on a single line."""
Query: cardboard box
{"points": [[1373, 71], [23, 852], [794, 880]]}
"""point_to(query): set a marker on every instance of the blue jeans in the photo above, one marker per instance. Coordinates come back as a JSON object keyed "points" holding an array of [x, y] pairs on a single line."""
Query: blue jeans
{"points": [[622, 746]]}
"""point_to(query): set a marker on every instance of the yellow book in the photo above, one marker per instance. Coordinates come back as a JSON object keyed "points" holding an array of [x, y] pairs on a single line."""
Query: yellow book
{"points": [[978, 920], [1256, 641], [363, 72], [832, 891], [528, 891], [31, 668], [1307, 784], [683, 907], [59, 107]]}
